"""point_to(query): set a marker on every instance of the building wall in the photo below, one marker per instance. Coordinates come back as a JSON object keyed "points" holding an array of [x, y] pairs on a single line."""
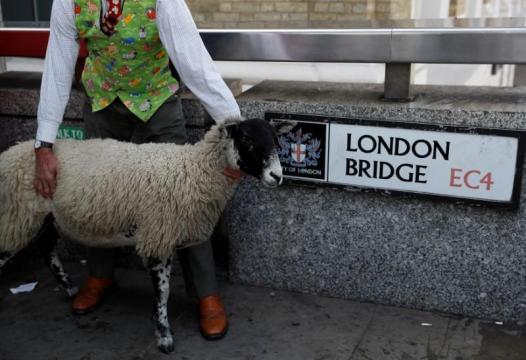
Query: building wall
{"points": [[293, 13]]}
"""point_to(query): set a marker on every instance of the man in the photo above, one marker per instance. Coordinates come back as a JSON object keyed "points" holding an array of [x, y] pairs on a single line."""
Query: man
{"points": [[131, 98]]}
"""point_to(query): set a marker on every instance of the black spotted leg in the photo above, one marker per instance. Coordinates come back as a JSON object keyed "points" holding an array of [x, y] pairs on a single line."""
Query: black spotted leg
{"points": [[4, 258], [160, 274], [47, 241]]}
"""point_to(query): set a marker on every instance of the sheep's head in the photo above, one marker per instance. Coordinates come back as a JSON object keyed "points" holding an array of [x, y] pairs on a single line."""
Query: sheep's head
{"points": [[255, 150]]}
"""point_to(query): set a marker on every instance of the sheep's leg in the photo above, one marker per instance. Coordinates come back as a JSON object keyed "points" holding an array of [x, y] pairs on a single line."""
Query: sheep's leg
{"points": [[160, 274], [5, 256], [47, 242]]}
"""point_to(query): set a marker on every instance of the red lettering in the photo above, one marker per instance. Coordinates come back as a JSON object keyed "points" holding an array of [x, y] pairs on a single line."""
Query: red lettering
{"points": [[454, 177], [470, 179], [466, 179], [487, 180]]}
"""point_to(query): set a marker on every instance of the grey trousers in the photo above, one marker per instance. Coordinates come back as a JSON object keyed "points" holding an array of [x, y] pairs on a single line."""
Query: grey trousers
{"points": [[166, 125]]}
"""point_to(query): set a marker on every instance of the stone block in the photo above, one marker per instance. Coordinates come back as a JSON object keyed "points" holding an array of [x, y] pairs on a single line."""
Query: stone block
{"points": [[291, 7], [20, 94], [245, 7], [225, 7], [397, 250]]}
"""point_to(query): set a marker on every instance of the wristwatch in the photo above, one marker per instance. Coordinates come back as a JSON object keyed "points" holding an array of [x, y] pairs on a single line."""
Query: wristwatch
{"points": [[42, 144]]}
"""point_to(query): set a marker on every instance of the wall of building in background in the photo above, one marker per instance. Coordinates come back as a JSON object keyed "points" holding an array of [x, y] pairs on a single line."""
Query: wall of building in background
{"points": [[294, 13], [349, 13], [471, 75], [300, 13], [487, 8]]}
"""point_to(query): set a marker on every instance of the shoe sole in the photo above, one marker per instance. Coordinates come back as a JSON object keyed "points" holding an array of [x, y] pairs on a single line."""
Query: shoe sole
{"points": [[215, 336], [107, 293]]}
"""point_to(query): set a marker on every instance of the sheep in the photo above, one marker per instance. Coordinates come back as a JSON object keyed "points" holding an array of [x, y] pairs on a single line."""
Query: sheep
{"points": [[156, 197]]}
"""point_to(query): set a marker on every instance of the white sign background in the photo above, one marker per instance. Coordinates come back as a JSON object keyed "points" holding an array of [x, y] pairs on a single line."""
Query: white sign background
{"points": [[485, 153]]}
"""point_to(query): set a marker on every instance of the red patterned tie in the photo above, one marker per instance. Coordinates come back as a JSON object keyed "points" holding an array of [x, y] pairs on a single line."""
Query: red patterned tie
{"points": [[111, 17]]}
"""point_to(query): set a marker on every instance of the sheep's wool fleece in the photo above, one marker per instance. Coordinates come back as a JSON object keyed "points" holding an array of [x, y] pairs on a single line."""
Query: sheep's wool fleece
{"points": [[170, 195]]}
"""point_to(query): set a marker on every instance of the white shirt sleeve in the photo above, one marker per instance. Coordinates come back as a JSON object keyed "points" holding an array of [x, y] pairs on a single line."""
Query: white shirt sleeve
{"points": [[59, 68], [183, 43]]}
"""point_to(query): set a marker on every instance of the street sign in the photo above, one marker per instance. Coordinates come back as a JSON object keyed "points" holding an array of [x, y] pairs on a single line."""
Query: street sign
{"points": [[71, 132], [474, 165]]}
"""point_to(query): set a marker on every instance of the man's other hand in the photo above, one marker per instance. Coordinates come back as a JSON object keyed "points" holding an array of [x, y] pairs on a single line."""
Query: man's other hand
{"points": [[45, 181]]}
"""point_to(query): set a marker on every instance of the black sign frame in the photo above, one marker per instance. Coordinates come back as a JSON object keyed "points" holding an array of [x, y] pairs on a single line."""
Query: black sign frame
{"points": [[520, 135]]}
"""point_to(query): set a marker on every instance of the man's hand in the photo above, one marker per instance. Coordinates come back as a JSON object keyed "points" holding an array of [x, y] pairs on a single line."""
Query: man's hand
{"points": [[46, 172]]}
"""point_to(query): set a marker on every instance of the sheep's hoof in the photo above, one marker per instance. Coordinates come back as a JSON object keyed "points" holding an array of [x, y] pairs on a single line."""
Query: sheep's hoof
{"points": [[165, 345], [72, 291]]}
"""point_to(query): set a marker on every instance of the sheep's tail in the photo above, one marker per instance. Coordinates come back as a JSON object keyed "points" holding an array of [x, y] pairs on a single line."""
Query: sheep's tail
{"points": [[22, 211]]}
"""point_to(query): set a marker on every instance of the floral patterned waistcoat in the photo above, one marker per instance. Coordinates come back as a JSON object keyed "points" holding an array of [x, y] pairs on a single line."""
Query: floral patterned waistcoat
{"points": [[131, 64]]}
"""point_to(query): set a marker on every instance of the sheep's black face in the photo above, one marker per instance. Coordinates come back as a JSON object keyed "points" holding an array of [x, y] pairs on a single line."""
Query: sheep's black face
{"points": [[256, 146]]}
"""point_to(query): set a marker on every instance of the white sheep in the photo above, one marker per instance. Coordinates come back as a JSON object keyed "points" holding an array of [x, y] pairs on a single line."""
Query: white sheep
{"points": [[157, 197]]}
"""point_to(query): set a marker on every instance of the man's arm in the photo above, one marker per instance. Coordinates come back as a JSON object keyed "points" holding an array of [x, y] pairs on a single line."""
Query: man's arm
{"points": [[59, 68], [183, 43]]}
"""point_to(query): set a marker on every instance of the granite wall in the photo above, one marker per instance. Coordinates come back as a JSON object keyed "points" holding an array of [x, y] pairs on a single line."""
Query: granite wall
{"points": [[403, 251], [19, 94]]}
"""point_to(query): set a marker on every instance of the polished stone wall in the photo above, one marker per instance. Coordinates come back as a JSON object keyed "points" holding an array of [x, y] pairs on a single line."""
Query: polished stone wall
{"points": [[397, 250], [19, 94]]}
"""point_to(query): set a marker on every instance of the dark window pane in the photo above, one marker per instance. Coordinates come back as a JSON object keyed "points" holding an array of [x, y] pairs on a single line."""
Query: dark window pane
{"points": [[18, 10], [44, 9]]}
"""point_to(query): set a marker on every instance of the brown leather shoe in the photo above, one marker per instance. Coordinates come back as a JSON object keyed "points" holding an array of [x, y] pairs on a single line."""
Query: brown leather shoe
{"points": [[91, 295], [213, 321]]}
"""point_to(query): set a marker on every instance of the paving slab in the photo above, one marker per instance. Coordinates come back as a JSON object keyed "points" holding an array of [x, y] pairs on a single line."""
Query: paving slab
{"points": [[264, 324]]}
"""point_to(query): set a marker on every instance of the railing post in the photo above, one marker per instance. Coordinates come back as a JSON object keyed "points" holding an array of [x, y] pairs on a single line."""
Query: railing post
{"points": [[397, 82], [519, 79]]}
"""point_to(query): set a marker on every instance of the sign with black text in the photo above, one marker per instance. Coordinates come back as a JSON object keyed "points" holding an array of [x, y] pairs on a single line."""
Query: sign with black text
{"points": [[476, 165]]}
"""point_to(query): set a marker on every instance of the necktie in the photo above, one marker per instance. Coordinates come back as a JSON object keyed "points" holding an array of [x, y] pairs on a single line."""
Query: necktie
{"points": [[111, 16]]}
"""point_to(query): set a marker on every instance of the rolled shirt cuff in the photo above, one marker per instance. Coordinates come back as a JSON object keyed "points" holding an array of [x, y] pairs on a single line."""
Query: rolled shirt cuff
{"points": [[221, 118], [47, 131]]}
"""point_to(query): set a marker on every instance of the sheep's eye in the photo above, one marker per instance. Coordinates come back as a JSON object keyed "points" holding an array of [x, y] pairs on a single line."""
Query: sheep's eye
{"points": [[247, 142]]}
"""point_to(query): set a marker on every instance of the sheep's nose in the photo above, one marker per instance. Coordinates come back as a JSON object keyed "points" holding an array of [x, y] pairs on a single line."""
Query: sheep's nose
{"points": [[279, 179]]}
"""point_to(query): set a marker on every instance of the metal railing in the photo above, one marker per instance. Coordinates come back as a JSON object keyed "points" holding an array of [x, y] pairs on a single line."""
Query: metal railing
{"points": [[398, 44]]}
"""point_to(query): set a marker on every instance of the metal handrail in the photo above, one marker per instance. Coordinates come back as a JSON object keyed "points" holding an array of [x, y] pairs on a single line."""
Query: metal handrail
{"points": [[464, 45], [426, 45], [398, 44]]}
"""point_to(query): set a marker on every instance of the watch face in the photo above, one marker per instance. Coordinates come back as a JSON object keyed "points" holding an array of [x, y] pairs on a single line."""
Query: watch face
{"points": [[42, 144]]}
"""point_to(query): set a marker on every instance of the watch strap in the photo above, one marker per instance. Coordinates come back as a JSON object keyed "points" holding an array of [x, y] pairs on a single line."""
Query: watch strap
{"points": [[43, 144]]}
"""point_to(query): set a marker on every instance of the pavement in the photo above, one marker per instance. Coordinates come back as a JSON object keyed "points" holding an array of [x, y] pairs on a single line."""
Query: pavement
{"points": [[264, 324]]}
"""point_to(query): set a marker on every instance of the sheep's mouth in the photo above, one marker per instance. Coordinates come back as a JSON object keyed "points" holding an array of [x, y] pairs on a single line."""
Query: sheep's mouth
{"points": [[272, 178], [271, 184], [272, 175]]}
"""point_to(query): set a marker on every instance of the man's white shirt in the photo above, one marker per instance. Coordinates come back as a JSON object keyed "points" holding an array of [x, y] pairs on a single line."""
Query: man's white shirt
{"points": [[180, 38]]}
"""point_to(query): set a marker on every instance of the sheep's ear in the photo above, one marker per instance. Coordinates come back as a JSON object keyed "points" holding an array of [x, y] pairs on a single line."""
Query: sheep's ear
{"points": [[283, 127]]}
